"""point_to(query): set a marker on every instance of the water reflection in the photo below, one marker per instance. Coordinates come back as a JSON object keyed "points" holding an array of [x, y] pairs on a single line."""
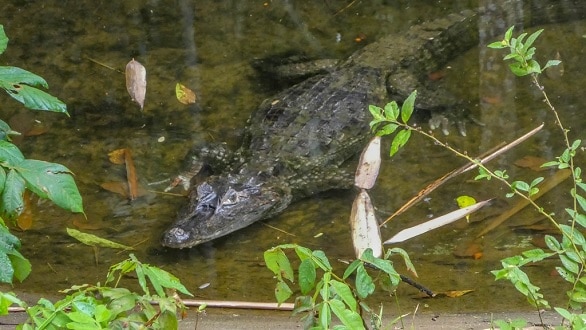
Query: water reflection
{"points": [[208, 46]]}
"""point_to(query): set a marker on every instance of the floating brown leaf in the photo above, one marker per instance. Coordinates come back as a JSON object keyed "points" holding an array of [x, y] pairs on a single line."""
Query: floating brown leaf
{"points": [[131, 175], [184, 94], [136, 82], [531, 162], [117, 156], [119, 188]]}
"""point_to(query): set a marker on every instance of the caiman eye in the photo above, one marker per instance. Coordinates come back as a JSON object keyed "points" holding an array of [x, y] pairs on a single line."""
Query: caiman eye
{"points": [[231, 197]]}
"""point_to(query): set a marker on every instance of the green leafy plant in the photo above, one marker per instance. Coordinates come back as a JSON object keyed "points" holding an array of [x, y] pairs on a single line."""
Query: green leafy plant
{"points": [[571, 249], [47, 180], [109, 307], [331, 294]]}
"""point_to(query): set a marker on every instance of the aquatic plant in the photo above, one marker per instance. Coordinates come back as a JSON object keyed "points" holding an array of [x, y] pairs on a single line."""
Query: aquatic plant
{"points": [[17, 174], [571, 248]]}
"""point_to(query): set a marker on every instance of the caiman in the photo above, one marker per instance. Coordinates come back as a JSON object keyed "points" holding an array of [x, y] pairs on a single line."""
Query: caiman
{"points": [[295, 141]]}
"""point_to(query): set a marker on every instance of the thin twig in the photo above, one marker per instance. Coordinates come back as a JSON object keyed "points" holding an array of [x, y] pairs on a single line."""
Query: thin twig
{"points": [[431, 187], [277, 229]]}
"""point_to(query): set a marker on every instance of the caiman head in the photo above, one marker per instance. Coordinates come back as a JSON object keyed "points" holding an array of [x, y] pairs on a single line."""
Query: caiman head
{"points": [[225, 204]]}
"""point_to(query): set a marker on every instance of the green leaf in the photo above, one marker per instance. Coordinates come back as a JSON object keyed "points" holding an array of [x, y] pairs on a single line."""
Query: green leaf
{"points": [[307, 275], [400, 140], [531, 39], [388, 129], [344, 292], [93, 240], [391, 111], [518, 69], [551, 63], [319, 257], [569, 264], [12, 197], [10, 155], [364, 284], [279, 264], [497, 45], [350, 318], [325, 315], [102, 313], [282, 292], [20, 264], [80, 317], [52, 181], [6, 131], [3, 39], [536, 255], [351, 268], [509, 33], [553, 244], [11, 76], [408, 106], [162, 279], [376, 112], [405, 256], [20, 84]]}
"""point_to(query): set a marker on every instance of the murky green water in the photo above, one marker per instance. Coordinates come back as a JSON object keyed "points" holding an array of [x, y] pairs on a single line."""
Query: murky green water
{"points": [[208, 46]]}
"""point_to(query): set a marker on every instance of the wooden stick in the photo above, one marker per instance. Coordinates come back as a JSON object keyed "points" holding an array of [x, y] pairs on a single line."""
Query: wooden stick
{"points": [[214, 304], [432, 186], [547, 185]]}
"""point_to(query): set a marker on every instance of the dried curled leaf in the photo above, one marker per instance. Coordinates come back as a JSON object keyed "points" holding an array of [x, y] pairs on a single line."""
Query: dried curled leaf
{"points": [[364, 227], [369, 165], [184, 94], [136, 82]]}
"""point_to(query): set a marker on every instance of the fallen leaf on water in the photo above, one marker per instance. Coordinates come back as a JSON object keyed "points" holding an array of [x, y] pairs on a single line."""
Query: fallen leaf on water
{"points": [[116, 187], [93, 240], [136, 82], [465, 201], [364, 227], [437, 75], [422, 228], [468, 249], [184, 94], [117, 156], [368, 165], [454, 293], [531, 162], [131, 175]]}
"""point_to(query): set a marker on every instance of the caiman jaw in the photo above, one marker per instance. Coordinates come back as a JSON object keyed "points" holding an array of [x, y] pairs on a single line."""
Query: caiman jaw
{"points": [[222, 206]]}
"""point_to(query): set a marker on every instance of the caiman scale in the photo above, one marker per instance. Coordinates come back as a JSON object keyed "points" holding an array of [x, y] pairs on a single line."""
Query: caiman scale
{"points": [[295, 141]]}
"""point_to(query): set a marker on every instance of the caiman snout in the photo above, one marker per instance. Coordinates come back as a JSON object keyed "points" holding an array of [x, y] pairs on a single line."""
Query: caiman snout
{"points": [[223, 205]]}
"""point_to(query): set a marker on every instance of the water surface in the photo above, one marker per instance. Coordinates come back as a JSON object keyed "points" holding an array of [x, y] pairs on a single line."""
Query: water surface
{"points": [[209, 46]]}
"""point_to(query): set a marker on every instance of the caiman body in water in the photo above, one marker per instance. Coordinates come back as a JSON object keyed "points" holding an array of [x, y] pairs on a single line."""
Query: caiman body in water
{"points": [[295, 141]]}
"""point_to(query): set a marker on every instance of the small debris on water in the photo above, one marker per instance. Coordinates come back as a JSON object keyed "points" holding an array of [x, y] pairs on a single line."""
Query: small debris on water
{"points": [[203, 286]]}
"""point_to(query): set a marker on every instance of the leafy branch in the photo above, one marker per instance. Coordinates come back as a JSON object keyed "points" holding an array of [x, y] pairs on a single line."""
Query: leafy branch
{"points": [[571, 250]]}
